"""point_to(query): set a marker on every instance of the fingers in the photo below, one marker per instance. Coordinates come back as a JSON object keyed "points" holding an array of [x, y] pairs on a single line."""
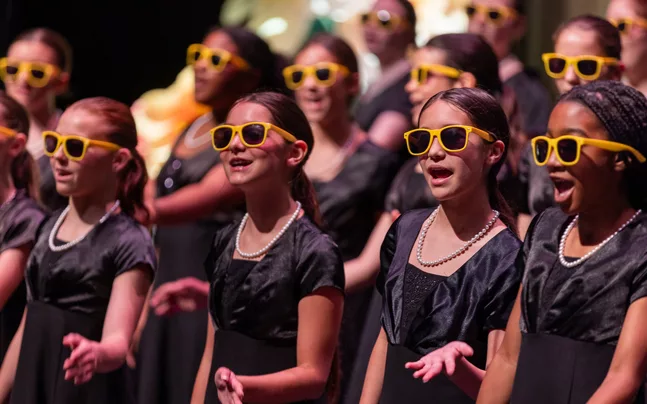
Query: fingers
{"points": [[236, 386], [463, 348], [80, 355], [414, 365], [434, 370], [72, 340], [81, 374], [131, 361], [421, 372], [450, 365]]}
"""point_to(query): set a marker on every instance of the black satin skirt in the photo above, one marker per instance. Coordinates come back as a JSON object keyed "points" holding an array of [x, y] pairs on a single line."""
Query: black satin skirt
{"points": [[249, 357], [400, 387], [558, 370]]}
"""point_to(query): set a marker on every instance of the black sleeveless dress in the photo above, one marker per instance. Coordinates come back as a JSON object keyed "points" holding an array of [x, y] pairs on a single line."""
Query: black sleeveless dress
{"points": [[423, 312], [69, 292], [20, 220], [571, 318], [254, 305], [171, 346]]}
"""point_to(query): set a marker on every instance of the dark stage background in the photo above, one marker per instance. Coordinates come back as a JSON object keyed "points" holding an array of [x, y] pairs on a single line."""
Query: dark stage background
{"points": [[121, 48]]}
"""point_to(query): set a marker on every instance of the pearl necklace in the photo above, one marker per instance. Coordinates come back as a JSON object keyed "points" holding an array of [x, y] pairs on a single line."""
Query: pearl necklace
{"points": [[468, 244], [190, 139], [562, 242], [59, 222], [271, 243]]}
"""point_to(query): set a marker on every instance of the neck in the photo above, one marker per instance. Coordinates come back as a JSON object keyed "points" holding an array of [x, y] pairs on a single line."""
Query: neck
{"points": [[332, 131], [41, 117], [389, 59], [466, 215], [219, 115], [90, 208], [266, 217], [7, 187], [598, 223]]}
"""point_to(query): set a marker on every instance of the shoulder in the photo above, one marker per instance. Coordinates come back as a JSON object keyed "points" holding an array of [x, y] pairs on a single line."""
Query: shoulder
{"points": [[310, 238], [225, 233], [413, 218]]}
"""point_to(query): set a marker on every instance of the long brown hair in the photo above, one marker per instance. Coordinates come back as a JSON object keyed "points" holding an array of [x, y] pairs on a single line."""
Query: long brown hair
{"points": [[24, 171], [486, 113], [55, 41], [122, 131]]}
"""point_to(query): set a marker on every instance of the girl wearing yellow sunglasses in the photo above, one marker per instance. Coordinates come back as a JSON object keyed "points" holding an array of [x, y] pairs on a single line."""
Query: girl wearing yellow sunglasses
{"points": [[294, 265], [630, 16]]}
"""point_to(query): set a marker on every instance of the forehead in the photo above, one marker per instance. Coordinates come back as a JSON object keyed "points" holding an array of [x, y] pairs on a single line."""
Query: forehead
{"points": [[573, 115], [80, 122], [575, 41], [392, 6], [220, 40], [441, 114], [429, 55], [625, 8], [314, 54], [494, 3], [248, 112], [32, 51]]}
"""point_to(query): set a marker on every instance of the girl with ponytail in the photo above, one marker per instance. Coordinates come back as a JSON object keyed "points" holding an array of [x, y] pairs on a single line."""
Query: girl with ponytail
{"points": [[276, 280], [91, 266], [447, 274], [20, 214]]}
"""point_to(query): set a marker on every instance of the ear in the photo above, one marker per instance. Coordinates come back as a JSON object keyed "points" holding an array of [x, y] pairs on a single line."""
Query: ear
{"points": [[18, 145], [519, 27], [620, 163], [121, 159], [297, 153], [496, 152], [352, 84], [466, 79]]}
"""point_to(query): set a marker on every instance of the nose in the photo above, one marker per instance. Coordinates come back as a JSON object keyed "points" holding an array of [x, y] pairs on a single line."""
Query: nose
{"points": [[236, 144], [436, 152], [553, 163], [571, 77], [59, 155], [309, 81], [411, 86]]}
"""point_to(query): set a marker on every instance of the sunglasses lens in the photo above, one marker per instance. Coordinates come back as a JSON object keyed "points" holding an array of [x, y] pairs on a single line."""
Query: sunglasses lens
{"points": [[567, 150], [11, 70], [418, 75], [541, 150], [195, 56], [622, 26], [253, 134], [587, 67], [323, 74], [37, 73], [50, 143], [297, 77], [222, 137], [418, 141], [216, 60], [494, 15], [74, 148], [453, 138], [556, 65], [365, 18], [470, 11]]}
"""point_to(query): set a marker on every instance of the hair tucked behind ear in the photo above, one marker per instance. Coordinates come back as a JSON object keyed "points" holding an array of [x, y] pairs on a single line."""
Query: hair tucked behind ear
{"points": [[122, 131], [24, 171], [486, 113]]}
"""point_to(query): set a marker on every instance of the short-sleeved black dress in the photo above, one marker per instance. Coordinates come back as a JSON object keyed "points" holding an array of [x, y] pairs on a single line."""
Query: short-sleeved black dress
{"points": [[68, 292], [254, 304], [423, 312], [571, 318], [20, 220]]}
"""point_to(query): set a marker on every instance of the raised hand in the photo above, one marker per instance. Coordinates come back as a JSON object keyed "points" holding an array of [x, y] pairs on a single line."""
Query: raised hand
{"points": [[230, 390], [186, 294], [440, 360], [84, 359]]}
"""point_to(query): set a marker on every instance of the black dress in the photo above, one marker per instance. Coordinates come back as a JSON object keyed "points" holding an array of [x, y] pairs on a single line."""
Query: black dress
{"points": [[409, 190], [171, 346], [534, 100], [20, 220], [69, 292], [255, 304], [52, 200], [423, 312], [571, 318], [350, 205]]}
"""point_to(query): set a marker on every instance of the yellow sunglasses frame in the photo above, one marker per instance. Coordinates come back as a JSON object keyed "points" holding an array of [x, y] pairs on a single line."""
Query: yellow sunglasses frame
{"points": [[393, 21], [238, 129], [571, 61], [628, 21], [7, 132], [206, 54], [311, 71], [420, 73], [506, 12], [62, 139], [435, 133], [48, 70], [580, 141]]}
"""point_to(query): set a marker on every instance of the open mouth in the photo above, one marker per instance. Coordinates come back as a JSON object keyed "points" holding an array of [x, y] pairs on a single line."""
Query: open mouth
{"points": [[239, 164], [439, 175], [563, 189], [62, 175]]}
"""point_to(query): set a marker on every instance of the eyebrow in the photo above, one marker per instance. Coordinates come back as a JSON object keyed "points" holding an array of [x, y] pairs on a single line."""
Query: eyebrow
{"points": [[568, 131]]}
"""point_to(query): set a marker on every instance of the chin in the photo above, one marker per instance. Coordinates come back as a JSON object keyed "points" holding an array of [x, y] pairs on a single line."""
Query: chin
{"points": [[65, 190]]}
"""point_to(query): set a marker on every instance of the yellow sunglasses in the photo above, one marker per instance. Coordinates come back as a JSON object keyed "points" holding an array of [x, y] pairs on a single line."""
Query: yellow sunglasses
{"points": [[383, 19], [452, 138], [421, 73], [624, 24], [494, 15], [568, 148], [252, 134], [216, 58], [324, 73], [7, 132], [74, 147], [587, 67], [38, 74]]}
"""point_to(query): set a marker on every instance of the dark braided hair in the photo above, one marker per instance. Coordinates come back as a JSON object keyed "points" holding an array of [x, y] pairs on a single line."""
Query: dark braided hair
{"points": [[623, 112]]}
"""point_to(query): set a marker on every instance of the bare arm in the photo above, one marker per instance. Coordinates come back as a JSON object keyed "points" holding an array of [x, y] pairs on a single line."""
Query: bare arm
{"points": [[362, 271], [141, 324], [375, 373], [12, 267], [10, 363], [497, 385], [388, 129], [202, 379], [629, 365], [318, 332], [197, 200]]}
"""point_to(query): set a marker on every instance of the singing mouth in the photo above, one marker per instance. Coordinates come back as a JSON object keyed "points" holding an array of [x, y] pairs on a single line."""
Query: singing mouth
{"points": [[238, 162]]}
